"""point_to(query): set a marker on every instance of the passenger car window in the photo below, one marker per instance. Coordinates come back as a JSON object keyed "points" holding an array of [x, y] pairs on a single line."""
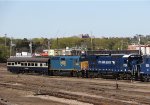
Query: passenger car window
{"points": [[40, 64], [32, 64], [35, 64], [21, 64], [9, 63]]}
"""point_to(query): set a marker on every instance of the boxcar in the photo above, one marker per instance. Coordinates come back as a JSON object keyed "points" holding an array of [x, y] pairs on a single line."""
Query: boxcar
{"points": [[28, 64]]}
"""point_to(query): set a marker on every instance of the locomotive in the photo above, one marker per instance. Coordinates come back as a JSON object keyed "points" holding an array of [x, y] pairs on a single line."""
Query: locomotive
{"points": [[121, 66], [118, 65]]}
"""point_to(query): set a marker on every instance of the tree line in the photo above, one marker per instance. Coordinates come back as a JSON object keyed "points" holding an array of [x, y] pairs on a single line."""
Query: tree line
{"points": [[39, 44]]}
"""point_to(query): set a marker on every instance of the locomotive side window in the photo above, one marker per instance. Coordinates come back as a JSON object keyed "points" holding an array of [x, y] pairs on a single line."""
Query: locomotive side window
{"points": [[12, 63], [76, 62], [21, 64], [18, 62], [28, 64], [25, 64], [63, 62], [147, 65], [124, 65], [63, 59]]}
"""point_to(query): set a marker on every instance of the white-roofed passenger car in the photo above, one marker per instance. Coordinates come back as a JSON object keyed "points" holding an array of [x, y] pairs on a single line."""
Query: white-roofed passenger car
{"points": [[28, 64]]}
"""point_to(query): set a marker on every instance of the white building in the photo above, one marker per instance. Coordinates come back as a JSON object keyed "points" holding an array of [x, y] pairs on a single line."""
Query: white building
{"points": [[145, 49], [23, 54]]}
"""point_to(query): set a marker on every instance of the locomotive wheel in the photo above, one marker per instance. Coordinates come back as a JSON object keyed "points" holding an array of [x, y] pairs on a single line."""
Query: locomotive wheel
{"points": [[71, 73], [86, 73], [82, 73], [146, 79], [77, 73], [51, 72]]}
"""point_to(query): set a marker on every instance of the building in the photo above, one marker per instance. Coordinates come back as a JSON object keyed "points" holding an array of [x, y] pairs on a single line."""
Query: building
{"points": [[145, 49], [23, 54], [55, 52], [85, 36]]}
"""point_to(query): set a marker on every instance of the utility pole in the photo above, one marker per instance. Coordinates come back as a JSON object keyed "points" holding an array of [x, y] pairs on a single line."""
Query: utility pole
{"points": [[139, 44], [57, 45], [10, 46], [48, 45], [5, 40], [91, 42], [121, 44], [5, 49], [30, 45]]}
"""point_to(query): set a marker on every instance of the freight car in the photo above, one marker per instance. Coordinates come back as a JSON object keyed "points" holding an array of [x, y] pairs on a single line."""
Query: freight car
{"points": [[117, 65], [28, 64]]}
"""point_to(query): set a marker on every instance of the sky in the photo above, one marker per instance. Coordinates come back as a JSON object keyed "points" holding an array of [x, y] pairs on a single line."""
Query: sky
{"points": [[65, 18]]}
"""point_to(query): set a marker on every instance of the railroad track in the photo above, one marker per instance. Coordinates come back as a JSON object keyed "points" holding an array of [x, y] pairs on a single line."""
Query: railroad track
{"points": [[43, 90], [92, 92]]}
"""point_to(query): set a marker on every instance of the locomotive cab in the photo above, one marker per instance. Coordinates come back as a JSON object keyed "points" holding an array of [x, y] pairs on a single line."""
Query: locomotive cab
{"points": [[133, 64], [145, 68]]}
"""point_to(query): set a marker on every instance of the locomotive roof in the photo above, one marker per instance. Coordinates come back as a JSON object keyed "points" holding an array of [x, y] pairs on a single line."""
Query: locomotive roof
{"points": [[132, 55], [27, 59]]}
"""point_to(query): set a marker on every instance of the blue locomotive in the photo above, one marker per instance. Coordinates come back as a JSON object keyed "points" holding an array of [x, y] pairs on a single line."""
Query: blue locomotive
{"points": [[71, 64], [117, 65]]}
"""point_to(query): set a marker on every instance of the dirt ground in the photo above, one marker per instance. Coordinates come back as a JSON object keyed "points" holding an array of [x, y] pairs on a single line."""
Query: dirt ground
{"points": [[26, 89]]}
